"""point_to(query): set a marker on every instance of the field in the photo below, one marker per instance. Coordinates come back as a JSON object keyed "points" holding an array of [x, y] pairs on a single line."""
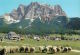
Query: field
{"points": [[42, 42]]}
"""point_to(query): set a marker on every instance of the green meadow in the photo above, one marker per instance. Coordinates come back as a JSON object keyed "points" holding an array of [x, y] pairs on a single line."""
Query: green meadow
{"points": [[31, 42]]}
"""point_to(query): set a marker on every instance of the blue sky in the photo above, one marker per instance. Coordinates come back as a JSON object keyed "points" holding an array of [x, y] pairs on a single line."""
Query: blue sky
{"points": [[71, 7]]}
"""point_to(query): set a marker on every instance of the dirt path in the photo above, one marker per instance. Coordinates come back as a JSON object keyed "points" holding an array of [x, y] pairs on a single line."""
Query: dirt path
{"points": [[75, 50]]}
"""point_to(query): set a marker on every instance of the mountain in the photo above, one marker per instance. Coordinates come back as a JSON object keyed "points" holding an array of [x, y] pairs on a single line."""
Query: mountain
{"points": [[57, 24], [35, 19], [34, 10]]}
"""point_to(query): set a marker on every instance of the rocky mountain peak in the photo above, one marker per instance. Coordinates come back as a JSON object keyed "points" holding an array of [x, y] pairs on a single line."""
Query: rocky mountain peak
{"points": [[34, 10], [35, 3], [21, 5], [59, 10]]}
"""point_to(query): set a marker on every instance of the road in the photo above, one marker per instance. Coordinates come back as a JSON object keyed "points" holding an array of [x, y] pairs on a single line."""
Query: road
{"points": [[75, 50]]}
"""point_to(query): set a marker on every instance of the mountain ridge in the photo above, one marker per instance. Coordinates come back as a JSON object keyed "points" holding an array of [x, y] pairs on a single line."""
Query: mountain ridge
{"points": [[35, 10]]}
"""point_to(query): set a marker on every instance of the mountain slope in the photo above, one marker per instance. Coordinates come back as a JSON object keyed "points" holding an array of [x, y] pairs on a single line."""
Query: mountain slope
{"points": [[74, 23]]}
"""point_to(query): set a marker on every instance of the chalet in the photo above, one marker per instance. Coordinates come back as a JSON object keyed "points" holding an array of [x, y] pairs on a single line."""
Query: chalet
{"points": [[36, 37], [13, 36]]}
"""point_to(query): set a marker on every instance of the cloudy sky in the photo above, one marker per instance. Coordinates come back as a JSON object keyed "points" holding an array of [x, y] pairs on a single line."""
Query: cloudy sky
{"points": [[71, 7]]}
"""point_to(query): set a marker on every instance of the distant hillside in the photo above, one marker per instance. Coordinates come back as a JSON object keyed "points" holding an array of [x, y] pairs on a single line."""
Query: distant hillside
{"points": [[57, 24], [74, 23]]}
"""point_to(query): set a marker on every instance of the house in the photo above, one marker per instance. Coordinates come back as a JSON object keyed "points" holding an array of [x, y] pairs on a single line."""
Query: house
{"points": [[13, 36], [54, 38], [36, 37], [57, 38]]}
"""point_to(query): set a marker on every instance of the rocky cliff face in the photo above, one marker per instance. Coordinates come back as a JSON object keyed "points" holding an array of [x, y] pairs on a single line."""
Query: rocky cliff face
{"points": [[35, 10]]}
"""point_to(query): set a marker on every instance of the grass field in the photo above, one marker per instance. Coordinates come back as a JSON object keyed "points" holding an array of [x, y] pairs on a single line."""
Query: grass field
{"points": [[32, 42]]}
